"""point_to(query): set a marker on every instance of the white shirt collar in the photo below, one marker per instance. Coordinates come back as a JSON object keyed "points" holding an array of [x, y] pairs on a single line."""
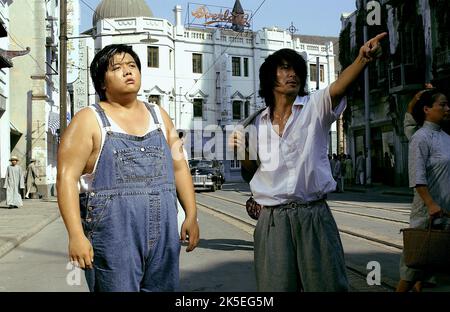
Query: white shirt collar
{"points": [[300, 101]]}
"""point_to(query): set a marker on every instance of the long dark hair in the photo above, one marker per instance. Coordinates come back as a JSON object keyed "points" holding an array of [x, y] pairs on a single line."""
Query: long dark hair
{"points": [[426, 99], [103, 59], [268, 73]]}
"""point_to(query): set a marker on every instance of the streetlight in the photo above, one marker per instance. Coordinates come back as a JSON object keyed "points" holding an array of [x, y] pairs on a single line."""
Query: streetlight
{"points": [[63, 61]]}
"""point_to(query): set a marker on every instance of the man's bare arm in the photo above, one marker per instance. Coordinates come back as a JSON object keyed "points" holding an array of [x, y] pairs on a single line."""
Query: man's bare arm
{"points": [[367, 53], [74, 150], [183, 182]]}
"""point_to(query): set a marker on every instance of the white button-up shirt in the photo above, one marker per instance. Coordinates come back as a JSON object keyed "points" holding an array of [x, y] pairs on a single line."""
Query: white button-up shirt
{"points": [[295, 166]]}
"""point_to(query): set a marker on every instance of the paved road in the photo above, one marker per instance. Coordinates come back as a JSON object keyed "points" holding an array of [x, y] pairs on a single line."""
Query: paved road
{"points": [[222, 262], [369, 222]]}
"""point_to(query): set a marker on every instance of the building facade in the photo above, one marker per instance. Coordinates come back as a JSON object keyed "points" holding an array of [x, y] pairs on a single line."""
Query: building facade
{"points": [[416, 52], [206, 78], [5, 126], [34, 86]]}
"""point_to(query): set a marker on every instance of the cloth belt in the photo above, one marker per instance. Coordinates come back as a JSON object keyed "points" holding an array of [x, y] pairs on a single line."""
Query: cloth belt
{"points": [[296, 204]]}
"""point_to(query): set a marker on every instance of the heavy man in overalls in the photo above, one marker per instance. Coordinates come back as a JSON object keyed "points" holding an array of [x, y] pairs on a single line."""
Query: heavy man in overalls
{"points": [[120, 164]]}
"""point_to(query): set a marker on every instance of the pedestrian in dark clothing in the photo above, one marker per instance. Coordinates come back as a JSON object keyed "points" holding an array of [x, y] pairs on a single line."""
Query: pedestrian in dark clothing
{"points": [[30, 179]]}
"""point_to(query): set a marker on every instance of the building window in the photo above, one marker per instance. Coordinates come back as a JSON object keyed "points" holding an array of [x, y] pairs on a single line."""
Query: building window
{"points": [[245, 67], [236, 66], [153, 57], [237, 110], [155, 99], [197, 63], [246, 109], [198, 108], [313, 73], [235, 164], [217, 80]]}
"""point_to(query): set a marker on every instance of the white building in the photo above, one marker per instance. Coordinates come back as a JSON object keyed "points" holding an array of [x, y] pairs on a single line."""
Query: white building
{"points": [[204, 77]]}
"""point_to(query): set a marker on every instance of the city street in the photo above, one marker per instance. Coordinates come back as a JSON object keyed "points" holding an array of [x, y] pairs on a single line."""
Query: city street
{"points": [[369, 223], [222, 262]]}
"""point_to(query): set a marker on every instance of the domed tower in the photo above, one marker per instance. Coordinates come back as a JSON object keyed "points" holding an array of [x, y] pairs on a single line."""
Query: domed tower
{"points": [[120, 8]]}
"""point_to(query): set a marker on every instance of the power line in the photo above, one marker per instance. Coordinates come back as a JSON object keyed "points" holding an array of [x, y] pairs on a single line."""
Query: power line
{"points": [[227, 47], [215, 61], [29, 54], [101, 17]]}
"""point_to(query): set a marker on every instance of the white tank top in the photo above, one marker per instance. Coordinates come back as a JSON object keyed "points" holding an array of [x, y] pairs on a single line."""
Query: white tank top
{"points": [[85, 183]]}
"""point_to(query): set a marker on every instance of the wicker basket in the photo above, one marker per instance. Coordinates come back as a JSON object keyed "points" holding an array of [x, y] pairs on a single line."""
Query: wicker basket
{"points": [[427, 248]]}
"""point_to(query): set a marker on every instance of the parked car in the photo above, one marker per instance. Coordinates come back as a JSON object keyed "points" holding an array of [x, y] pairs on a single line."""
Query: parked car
{"points": [[206, 174]]}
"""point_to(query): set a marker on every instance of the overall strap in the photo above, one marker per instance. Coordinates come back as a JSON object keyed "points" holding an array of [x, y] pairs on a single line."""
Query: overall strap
{"points": [[101, 113], [151, 109]]}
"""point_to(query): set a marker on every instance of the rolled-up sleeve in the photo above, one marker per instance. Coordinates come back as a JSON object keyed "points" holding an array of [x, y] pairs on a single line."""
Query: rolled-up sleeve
{"points": [[324, 105], [419, 152]]}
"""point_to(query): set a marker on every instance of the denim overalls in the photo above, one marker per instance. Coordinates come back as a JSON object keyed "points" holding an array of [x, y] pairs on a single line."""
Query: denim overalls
{"points": [[130, 216]]}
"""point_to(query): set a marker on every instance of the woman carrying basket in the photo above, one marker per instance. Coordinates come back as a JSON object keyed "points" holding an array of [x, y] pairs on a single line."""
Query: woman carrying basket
{"points": [[429, 175]]}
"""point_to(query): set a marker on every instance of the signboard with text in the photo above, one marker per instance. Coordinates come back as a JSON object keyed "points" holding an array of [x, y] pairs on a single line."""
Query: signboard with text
{"points": [[218, 17]]}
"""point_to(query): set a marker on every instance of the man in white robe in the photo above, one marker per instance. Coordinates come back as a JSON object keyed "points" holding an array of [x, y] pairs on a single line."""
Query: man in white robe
{"points": [[14, 181]]}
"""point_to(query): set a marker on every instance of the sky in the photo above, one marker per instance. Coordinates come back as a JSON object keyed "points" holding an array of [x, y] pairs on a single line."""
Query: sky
{"points": [[310, 17]]}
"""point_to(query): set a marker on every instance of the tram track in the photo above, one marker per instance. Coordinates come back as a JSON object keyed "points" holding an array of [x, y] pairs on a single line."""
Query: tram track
{"points": [[400, 210], [332, 209], [248, 227]]}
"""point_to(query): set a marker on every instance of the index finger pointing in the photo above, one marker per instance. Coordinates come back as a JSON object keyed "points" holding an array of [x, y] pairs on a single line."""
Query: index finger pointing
{"points": [[379, 36]]}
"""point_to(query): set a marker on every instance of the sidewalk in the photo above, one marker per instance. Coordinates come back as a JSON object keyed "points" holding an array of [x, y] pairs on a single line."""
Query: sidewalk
{"points": [[381, 189], [18, 225], [374, 189]]}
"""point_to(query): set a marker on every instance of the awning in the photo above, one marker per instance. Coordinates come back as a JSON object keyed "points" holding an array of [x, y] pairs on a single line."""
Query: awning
{"points": [[2, 104], [53, 122], [14, 130], [5, 62], [6, 56], [3, 31]]}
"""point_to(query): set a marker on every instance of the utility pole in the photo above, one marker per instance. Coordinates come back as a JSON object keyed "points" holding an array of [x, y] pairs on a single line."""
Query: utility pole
{"points": [[367, 113], [62, 66]]}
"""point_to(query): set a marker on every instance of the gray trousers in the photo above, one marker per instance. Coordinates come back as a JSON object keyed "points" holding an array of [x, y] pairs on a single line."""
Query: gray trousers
{"points": [[299, 249]]}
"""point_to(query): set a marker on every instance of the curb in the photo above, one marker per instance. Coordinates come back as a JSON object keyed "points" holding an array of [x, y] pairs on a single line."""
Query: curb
{"points": [[398, 193], [23, 237], [354, 190]]}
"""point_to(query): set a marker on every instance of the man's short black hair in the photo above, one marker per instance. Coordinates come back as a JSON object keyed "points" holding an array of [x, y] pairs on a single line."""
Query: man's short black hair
{"points": [[268, 73], [426, 99], [103, 59]]}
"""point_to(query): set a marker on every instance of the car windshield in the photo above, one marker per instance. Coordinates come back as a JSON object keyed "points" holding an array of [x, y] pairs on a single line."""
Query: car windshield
{"points": [[204, 164], [201, 164]]}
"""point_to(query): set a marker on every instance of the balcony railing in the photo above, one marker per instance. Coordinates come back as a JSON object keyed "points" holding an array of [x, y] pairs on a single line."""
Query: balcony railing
{"points": [[404, 77]]}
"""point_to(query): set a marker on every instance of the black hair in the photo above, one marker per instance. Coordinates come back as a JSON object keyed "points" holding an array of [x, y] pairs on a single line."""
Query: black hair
{"points": [[268, 73], [101, 62], [426, 99]]}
